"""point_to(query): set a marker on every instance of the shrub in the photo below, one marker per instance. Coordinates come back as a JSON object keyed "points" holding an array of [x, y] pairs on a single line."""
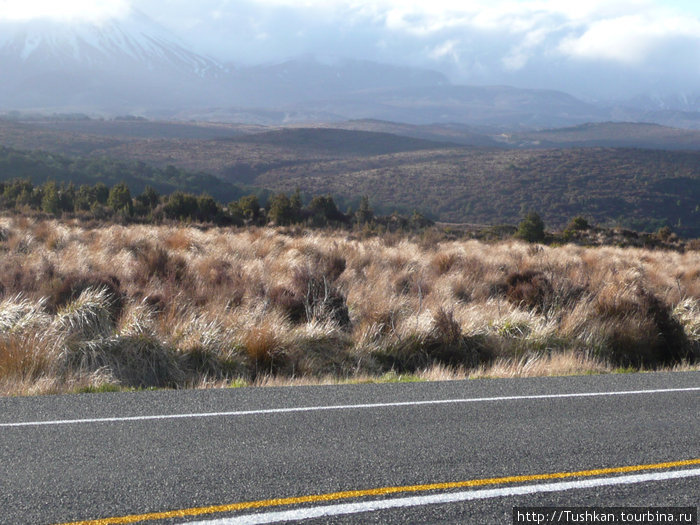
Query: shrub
{"points": [[181, 206], [157, 262], [638, 329], [324, 210], [322, 300], [528, 289], [63, 290], [531, 228], [134, 361], [443, 344], [578, 223], [289, 302], [248, 207]]}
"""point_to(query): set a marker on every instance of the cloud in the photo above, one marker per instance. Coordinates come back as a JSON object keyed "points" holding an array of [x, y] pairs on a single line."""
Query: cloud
{"points": [[630, 39], [599, 44], [63, 10]]}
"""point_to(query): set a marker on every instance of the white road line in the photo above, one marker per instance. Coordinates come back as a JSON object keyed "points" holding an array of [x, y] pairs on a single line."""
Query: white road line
{"points": [[454, 497], [238, 413]]}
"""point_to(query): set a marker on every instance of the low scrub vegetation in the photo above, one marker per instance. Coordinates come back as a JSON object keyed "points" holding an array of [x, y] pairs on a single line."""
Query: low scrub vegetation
{"points": [[114, 306]]}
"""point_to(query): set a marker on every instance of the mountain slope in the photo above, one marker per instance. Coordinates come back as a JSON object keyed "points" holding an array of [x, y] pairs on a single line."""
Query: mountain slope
{"points": [[644, 189], [135, 41], [131, 65], [115, 64], [609, 134]]}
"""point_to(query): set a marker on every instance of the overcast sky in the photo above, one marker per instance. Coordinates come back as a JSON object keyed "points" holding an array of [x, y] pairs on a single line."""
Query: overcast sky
{"points": [[593, 48]]}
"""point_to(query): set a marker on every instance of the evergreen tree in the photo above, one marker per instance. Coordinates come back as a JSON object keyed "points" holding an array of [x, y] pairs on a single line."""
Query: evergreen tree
{"points": [[85, 197], [364, 214], [207, 208], [531, 228], [50, 200], [149, 198], [119, 199], [295, 203], [250, 207], [325, 210], [101, 192], [280, 210], [181, 206], [66, 197]]}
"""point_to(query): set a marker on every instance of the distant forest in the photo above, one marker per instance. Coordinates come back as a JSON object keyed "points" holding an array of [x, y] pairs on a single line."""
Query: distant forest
{"points": [[644, 190], [39, 167], [57, 185]]}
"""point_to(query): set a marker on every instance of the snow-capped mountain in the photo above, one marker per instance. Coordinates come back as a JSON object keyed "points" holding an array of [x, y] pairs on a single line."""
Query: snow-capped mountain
{"points": [[48, 63], [132, 65], [136, 41]]}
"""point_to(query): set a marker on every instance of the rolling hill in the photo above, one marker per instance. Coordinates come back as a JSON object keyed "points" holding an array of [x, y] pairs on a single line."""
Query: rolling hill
{"points": [[639, 188], [643, 189], [608, 134]]}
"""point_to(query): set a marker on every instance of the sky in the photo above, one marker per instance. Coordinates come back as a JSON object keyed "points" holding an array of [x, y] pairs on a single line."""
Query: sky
{"points": [[593, 49]]}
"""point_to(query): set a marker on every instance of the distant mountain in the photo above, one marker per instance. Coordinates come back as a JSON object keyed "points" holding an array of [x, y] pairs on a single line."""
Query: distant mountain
{"points": [[115, 65], [131, 65], [480, 107], [485, 106], [668, 102], [306, 80]]}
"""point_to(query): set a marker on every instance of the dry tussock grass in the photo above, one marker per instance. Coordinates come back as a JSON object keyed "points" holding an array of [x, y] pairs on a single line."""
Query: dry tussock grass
{"points": [[142, 306]]}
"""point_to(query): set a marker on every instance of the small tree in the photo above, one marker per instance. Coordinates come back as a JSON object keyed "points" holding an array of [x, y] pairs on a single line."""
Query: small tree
{"points": [[101, 192], [84, 198], [50, 200], [295, 203], [578, 223], [664, 233], [119, 199], [531, 228], [280, 210], [149, 198], [207, 208], [66, 196], [250, 207], [181, 206], [324, 210], [364, 213], [418, 221]]}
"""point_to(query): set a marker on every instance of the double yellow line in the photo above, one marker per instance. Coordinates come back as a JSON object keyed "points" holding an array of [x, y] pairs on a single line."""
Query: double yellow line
{"points": [[382, 491]]}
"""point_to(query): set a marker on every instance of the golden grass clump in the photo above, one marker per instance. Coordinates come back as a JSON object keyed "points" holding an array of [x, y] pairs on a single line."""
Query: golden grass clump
{"points": [[140, 306]]}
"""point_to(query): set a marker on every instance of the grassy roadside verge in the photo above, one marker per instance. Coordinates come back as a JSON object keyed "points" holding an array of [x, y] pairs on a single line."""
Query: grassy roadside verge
{"points": [[120, 307]]}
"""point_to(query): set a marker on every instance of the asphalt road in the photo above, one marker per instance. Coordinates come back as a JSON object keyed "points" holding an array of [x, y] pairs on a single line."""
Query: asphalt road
{"points": [[70, 459]]}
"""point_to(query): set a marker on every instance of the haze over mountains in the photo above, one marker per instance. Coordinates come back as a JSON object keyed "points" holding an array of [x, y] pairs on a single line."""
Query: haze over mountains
{"points": [[131, 65], [124, 90]]}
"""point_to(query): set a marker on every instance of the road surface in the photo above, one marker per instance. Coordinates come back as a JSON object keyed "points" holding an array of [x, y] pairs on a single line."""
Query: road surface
{"points": [[450, 452]]}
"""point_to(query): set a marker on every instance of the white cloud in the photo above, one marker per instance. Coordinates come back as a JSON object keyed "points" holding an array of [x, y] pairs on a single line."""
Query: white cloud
{"points": [[445, 50], [629, 39], [62, 10], [524, 42]]}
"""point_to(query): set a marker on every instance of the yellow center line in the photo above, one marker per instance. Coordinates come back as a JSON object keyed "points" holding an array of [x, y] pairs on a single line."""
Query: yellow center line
{"points": [[382, 491]]}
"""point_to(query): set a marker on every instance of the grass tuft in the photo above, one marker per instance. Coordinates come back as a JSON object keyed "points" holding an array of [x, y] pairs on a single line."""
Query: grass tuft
{"points": [[107, 307]]}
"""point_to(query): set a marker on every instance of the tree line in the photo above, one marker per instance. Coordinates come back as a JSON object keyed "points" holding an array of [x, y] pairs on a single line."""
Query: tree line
{"points": [[100, 201]]}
